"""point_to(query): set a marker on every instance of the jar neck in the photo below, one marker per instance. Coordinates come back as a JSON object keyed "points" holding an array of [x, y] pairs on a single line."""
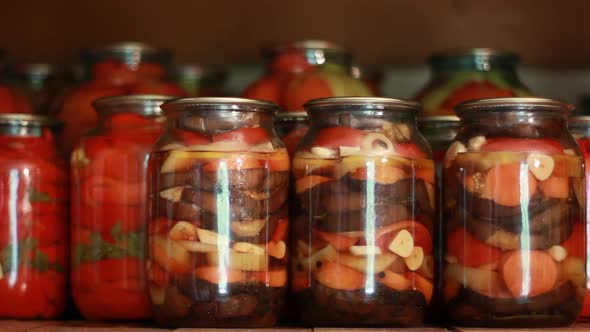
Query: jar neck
{"points": [[301, 60], [28, 130], [211, 122], [366, 120], [530, 123]]}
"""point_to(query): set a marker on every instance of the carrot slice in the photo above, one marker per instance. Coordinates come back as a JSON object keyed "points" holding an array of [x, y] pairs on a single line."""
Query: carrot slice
{"points": [[422, 285], [341, 277], [394, 280], [215, 275], [280, 232], [339, 242], [272, 278], [308, 182], [504, 182], [529, 273], [555, 187], [384, 174], [469, 250]]}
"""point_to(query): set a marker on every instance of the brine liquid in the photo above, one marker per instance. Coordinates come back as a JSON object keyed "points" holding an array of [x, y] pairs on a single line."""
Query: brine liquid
{"points": [[363, 240], [515, 237], [218, 232]]}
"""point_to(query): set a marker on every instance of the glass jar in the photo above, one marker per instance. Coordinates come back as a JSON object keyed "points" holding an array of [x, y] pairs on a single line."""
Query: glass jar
{"points": [[364, 182], [219, 217], [109, 210], [291, 128], [579, 127], [11, 100], [33, 219], [39, 83], [439, 131], [372, 77], [515, 225], [117, 69], [305, 70], [474, 74], [200, 81]]}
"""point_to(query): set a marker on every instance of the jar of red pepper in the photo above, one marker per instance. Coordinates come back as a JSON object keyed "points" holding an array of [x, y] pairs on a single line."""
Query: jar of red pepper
{"points": [[108, 172], [579, 127], [117, 69], [33, 219], [304, 70]]}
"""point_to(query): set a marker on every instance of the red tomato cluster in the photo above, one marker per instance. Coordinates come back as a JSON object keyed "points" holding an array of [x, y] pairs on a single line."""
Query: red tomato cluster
{"points": [[13, 102], [110, 78], [109, 219], [33, 215]]}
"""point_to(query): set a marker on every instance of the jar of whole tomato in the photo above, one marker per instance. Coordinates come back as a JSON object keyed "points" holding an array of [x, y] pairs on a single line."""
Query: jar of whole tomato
{"points": [[579, 127], [305, 70], [291, 128], [40, 83], [109, 211], [200, 81], [33, 219], [219, 218], [473, 74], [364, 182], [515, 227], [117, 69]]}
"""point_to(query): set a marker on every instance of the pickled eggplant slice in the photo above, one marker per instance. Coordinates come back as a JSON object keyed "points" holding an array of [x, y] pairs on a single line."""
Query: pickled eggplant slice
{"points": [[178, 210], [169, 180], [403, 190], [349, 221], [546, 302], [250, 230], [243, 179], [489, 210], [483, 161]]}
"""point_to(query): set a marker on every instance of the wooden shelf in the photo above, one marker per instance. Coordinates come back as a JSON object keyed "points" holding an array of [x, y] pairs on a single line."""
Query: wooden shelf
{"points": [[544, 32], [74, 326]]}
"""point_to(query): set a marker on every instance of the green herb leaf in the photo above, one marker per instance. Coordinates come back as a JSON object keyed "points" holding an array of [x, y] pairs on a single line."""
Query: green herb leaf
{"points": [[131, 244], [36, 196]]}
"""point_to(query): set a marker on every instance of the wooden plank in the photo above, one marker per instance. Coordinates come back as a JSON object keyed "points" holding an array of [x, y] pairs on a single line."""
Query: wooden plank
{"points": [[225, 31]]}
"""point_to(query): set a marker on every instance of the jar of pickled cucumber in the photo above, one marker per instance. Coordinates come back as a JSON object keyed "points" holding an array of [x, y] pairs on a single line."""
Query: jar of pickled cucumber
{"points": [[579, 127], [472, 74], [108, 228], [364, 209], [304, 70], [515, 227], [218, 234]]}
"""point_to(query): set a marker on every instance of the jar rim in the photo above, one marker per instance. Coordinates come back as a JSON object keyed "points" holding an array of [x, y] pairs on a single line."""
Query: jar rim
{"points": [[478, 58], [219, 103], [30, 120], [438, 119], [579, 119], [150, 104], [291, 116], [129, 52], [303, 45], [511, 104], [366, 103], [36, 68]]}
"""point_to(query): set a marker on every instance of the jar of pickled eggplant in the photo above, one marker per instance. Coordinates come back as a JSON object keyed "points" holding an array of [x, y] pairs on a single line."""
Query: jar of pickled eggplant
{"points": [[515, 227], [33, 219], [219, 223], [472, 74], [304, 70], [364, 182], [109, 210], [579, 127], [117, 69], [291, 127]]}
